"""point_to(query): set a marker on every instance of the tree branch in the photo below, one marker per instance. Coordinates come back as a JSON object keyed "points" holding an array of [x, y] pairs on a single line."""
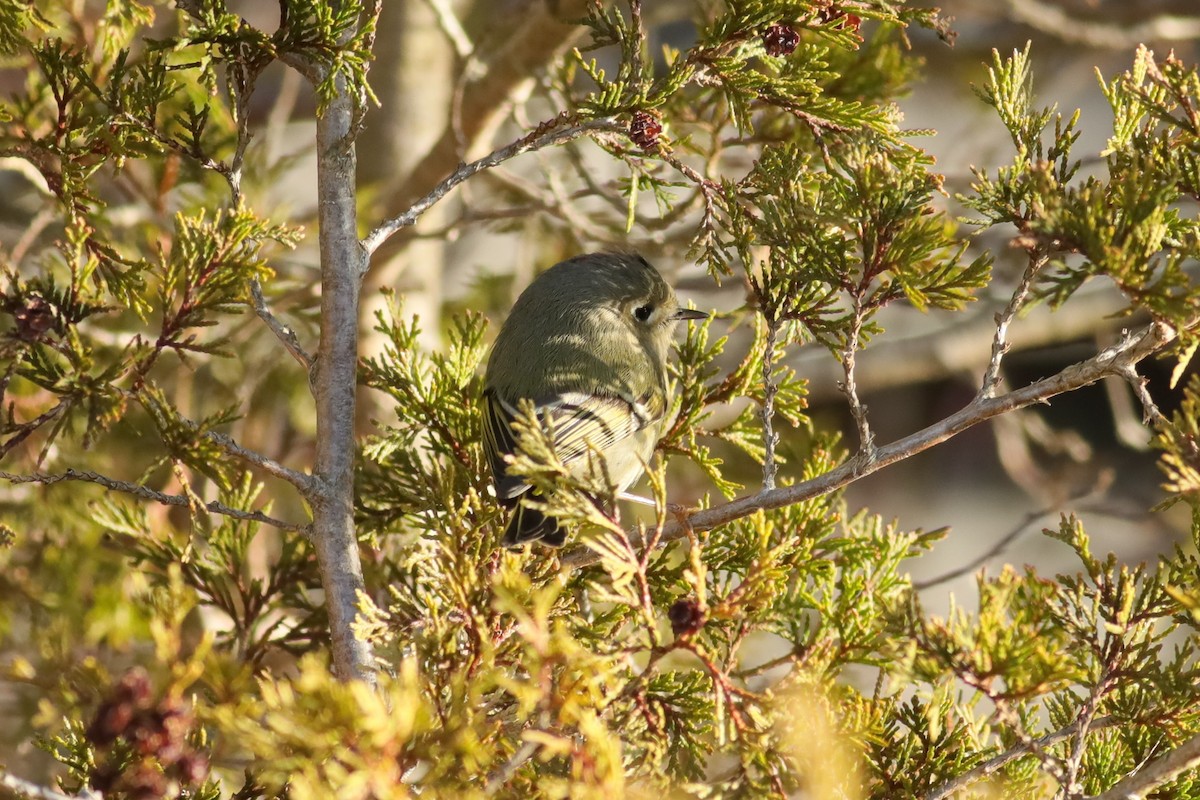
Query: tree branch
{"points": [[1150, 414], [343, 263], [1158, 772], [269, 465], [536, 140], [26, 428], [453, 29], [509, 49], [993, 765], [285, 334], [858, 411], [1000, 342], [1116, 34], [1110, 361], [146, 493], [770, 389]]}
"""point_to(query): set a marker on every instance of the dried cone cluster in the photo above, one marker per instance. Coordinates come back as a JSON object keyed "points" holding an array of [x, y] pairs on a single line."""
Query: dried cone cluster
{"points": [[156, 730], [644, 130], [780, 40]]}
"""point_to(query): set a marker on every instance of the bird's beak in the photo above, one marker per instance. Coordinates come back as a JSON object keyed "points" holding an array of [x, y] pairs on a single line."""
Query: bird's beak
{"points": [[689, 313]]}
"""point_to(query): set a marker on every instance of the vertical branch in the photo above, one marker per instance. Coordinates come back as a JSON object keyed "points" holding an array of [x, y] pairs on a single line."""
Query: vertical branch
{"points": [[1000, 343], [635, 19], [770, 389], [1072, 786], [343, 261], [866, 439]]}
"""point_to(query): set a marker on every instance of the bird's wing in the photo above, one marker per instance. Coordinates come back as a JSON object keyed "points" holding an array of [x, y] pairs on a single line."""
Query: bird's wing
{"points": [[578, 420], [498, 441]]}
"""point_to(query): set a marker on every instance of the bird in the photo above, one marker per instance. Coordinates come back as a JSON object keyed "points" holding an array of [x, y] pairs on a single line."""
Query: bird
{"points": [[587, 344]]}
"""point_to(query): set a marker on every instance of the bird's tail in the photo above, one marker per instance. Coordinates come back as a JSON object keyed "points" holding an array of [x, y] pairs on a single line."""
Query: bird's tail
{"points": [[531, 525]]}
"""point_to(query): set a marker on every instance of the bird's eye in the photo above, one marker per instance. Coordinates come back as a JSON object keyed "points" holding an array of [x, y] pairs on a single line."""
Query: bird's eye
{"points": [[642, 313]]}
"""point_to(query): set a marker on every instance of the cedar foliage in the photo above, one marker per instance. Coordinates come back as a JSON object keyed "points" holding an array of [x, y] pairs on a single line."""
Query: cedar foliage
{"points": [[773, 140]]}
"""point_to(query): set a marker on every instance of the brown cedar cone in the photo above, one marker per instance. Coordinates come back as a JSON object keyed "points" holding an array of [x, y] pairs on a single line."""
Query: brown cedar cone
{"points": [[644, 130], [686, 617], [780, 40], [34, 319]]}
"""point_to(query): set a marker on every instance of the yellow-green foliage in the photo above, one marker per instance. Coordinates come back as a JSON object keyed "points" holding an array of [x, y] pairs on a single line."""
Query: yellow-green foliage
{"points": [[158, 649]]}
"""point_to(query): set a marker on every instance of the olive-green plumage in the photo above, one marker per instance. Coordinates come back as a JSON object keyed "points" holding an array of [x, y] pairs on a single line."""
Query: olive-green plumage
{"points": [[587, 343]]}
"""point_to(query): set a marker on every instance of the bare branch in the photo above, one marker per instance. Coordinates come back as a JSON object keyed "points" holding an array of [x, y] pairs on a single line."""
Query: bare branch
{"points": [[924, 348], [285, 334], [453, 29], [536, 140], [770, 389], [146, 493], [269, 465], [1113, 34], [1150, 413], [1110, 361], [996, 549], [866, 439], [1156, 773], [995, 764], [343, 263], [1000, 342], [40, 221]]}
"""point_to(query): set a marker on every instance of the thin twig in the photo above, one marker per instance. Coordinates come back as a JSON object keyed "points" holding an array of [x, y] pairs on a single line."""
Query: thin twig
{"points": [[1004, 541], [1151, 416], [1133, 787], [1051, 764], [453, 29], [995, 764], [1000, 342], [241, 79], [535, 141], [996, 549], [866, 439], [1130, 350], [300, 480], [1114, 34], [38, 224], [146, 493], [285, 333], [26, 428], [770, 389], [1084, 721], [639, 30], [196, 156]]}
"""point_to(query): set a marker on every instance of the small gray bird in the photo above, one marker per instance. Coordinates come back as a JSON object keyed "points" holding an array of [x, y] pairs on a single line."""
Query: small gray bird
{"points": [[587, 343]]}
